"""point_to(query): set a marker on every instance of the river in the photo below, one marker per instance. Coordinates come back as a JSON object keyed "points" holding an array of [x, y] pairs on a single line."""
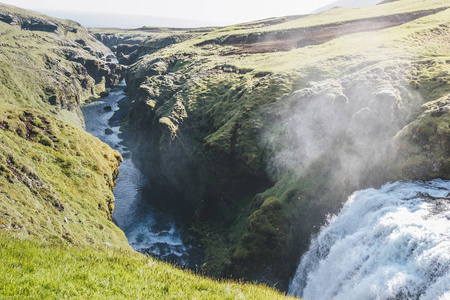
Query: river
{"points": [[390, 243], [149, 228]]}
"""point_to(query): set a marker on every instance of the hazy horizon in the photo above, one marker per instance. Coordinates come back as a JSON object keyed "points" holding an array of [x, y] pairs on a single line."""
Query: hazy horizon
{"points": [[171, 13], [126, 21]]}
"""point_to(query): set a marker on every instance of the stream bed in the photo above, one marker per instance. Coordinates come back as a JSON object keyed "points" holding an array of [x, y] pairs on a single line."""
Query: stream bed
{"points": [[149, 228]]}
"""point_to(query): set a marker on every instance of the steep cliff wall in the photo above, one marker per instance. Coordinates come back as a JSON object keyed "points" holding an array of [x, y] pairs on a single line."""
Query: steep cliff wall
{"points": [[266, 139]]}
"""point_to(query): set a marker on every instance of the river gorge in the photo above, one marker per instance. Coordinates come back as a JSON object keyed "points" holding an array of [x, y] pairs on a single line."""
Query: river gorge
{"points": [[310, 153], [157, 230]]}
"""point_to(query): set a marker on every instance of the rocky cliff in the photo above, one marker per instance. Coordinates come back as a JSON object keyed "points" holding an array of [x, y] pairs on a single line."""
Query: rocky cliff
{"points": [[129, 45], [266, 127], [50, 64], [57, 238]]}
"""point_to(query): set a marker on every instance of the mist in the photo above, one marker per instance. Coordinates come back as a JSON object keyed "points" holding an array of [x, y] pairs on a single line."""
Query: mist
{"points": [[351, 120]]}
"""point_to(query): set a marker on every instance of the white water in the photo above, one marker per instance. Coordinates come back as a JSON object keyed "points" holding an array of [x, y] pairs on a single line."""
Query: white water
{"points": [[391, 243]]}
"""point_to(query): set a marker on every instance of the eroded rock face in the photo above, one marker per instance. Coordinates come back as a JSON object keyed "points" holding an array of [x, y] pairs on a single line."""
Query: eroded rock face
{"points": [[344, 133], [70, 62], [122, 45], [423, 147], [128, 47], [265, 156], [28, 22]]}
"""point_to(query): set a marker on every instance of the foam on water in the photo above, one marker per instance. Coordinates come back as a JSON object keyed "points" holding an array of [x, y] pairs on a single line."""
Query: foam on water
{"points": [[391, 243]]}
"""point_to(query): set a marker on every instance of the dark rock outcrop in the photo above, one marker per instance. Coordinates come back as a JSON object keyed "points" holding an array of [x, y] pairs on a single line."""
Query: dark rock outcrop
{"points": [[122, 45], [28, 22], [108, 131]]}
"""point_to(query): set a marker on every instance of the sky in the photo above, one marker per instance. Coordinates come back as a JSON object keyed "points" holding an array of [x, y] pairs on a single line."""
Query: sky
{"points": [[175, 13]]}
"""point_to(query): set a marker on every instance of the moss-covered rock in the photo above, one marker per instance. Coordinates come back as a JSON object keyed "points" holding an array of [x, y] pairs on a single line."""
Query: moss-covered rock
{"points": [[265, 137], [423, 145], [38, 67]]}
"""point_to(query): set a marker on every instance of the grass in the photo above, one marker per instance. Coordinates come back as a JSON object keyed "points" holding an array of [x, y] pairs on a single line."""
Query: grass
{"points": [[32, 270], [335, 56], [56, 182]]}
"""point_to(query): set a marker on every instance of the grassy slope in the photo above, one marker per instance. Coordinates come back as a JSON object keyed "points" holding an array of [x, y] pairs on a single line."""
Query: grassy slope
{"points": [[56, 182], [337, 55], [52, 173], [32, 269], [214, 102], [57, 239]]}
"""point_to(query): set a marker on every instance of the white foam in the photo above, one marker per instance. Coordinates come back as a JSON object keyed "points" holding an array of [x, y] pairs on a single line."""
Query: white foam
{"points": [[392, 243]]}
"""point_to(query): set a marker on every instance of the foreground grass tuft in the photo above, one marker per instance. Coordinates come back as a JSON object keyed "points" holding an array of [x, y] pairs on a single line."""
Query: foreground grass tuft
{"points": [[28, 269]]}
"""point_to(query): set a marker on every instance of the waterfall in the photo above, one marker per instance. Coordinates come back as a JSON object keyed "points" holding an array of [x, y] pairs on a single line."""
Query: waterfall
{"points": [[391, 243]]}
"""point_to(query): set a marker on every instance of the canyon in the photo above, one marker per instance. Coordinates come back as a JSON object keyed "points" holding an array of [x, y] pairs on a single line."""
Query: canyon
{"points": [[262, 129]]}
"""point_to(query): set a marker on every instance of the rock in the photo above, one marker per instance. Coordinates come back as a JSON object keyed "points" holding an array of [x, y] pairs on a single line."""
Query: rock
{"points": [[37, 24], [58, 205], [28, 22], [107, 108], [81, 42], [8, 18], [108, 131], [104, 94], [110, 57], [126, 155]]}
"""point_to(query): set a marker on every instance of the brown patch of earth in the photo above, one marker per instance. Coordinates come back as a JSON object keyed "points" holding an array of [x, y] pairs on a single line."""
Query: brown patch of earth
{"points": [[286, 40]]}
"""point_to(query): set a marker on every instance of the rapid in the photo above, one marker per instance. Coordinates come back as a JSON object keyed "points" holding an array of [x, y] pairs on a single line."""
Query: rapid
{"points": [[387, 243]]}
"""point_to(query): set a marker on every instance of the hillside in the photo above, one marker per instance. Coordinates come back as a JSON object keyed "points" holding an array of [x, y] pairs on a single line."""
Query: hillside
{"points": [[347, 3], [57, 238], [48, 69], [267, 127]]}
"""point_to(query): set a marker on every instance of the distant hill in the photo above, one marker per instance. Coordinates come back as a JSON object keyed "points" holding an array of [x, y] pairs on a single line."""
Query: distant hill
{"points": [[348, 3]]}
